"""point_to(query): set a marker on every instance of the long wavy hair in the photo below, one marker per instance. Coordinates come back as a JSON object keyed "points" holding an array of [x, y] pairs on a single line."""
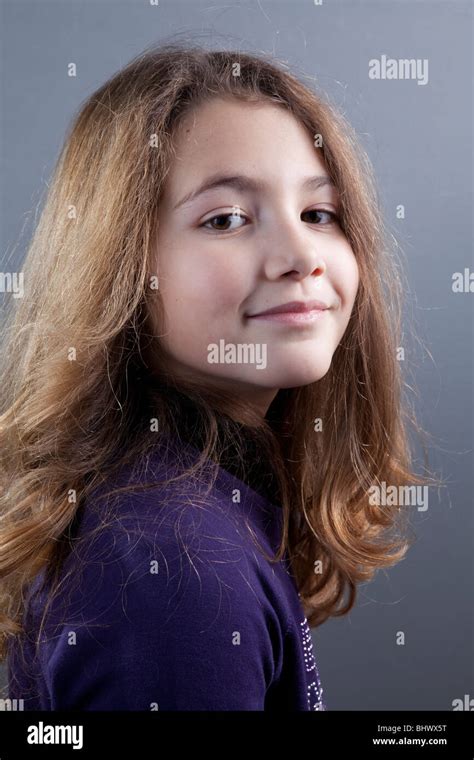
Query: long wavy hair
{"points": [[83, 373]]}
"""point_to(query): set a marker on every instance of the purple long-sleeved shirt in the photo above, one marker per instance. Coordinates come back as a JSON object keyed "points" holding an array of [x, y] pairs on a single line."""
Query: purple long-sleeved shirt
{"points": [[171, 606]]}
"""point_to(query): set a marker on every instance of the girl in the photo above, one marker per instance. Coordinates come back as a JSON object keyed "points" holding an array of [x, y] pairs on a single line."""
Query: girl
{"points": [[176, 514]]}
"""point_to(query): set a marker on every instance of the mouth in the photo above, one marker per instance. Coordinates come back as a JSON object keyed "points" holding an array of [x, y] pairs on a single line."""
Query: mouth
{"points": [[293, 317], [294, 312]]}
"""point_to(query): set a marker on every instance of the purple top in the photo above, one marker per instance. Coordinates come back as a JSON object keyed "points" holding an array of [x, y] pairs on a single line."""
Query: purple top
{"points": [[171, 606]]}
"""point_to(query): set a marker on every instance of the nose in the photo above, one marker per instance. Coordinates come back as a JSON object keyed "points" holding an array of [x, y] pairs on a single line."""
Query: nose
{"points": [[290, 249]]}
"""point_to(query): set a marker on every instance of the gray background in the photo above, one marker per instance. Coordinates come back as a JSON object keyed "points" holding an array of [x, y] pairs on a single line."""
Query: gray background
{"points": [[419, 139]]}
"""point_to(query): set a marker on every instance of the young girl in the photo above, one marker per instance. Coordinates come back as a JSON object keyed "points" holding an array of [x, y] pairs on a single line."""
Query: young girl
{"points": [[199, 388]]}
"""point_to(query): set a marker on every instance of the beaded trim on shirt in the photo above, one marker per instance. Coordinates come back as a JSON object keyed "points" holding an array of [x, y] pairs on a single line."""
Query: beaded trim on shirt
{"points": [[314, 690]]}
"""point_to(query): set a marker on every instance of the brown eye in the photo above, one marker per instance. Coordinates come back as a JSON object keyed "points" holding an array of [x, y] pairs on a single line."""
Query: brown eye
{"points": [[318, 213], [222, 222]]}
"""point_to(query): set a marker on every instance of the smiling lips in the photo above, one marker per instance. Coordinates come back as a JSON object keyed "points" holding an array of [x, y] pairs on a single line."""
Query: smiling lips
{"points": [[294, 312]]}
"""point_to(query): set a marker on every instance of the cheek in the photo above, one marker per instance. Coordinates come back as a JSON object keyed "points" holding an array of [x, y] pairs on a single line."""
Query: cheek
{"points": [[200, 282], [219, 287], [352, 278], [346, 274]]}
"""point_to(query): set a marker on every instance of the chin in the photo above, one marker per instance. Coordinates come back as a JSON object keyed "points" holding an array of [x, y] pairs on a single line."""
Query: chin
{"points": [[299, 378]]}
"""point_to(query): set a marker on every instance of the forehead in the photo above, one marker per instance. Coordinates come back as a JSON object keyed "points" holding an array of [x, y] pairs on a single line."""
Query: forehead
{"points": [[255, 137]]}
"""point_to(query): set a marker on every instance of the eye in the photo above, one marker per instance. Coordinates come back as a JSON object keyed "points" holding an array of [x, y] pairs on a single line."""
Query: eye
{"points": [[318, 212], [221, 220]]}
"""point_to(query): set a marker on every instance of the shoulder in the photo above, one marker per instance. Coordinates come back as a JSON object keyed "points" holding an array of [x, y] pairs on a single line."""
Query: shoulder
{"points": [[165, 531], [168, 585]]}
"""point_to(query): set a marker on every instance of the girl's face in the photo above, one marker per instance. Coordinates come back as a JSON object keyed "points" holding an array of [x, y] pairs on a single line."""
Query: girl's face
{"points": [[231, 248]]}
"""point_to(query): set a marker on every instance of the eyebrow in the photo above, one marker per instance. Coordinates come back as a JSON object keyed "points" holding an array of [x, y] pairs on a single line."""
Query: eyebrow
{"points": [[247, 184]]}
